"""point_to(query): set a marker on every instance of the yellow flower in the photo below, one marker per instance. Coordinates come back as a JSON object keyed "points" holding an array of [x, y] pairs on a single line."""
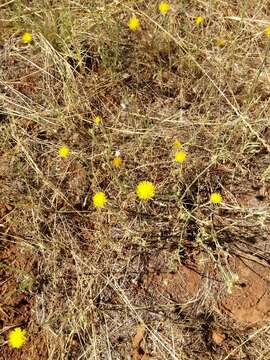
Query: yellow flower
{"points": [[17, 337], [216, 198], [180, 156], [221, 42], [97, 120], [64, 151], [199, 20], [134, 23], [27, 38], [267, 31], [117, 161], [145, 190], [99, 199], [164, 7], [177, 144]]}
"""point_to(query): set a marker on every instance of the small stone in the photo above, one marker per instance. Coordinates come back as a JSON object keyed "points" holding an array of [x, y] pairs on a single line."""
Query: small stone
{"points": [[218, 337]]}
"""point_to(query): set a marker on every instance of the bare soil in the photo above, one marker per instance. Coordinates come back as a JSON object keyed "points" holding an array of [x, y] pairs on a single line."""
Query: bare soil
{"points": [[17, 272]]}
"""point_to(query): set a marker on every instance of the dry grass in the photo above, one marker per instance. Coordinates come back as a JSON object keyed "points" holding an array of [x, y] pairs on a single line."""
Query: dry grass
{"points": [[168, 80]]}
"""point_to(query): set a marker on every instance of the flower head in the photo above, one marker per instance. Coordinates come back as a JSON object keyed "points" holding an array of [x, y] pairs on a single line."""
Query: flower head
{"points": [[199, 20], [221, 42], [97, 120], [267, 31], [231, 282], [99, 199], [17, 338], [177, 144], [134, 23], [146, 190], [164, 7], [117, 161], [64, 151], [180, 156], [26, 38], [216, 198]]}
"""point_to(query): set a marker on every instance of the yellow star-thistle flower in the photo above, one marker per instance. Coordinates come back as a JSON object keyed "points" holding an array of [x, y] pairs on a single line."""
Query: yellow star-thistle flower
{"points": [[146, 190], [216, 198], [180, 156], [267, 31], [199, 20], [177, 144], [164, 7], [26, 38], [64, 151], [99, 199], [134, 23], [97, 120], [117, 161], [17, 337], [221, 42]]}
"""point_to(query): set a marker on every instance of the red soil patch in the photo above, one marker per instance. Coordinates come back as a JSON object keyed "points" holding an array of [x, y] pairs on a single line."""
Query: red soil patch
{"points": [[179, 286], [17, 303], [248, 302]]}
